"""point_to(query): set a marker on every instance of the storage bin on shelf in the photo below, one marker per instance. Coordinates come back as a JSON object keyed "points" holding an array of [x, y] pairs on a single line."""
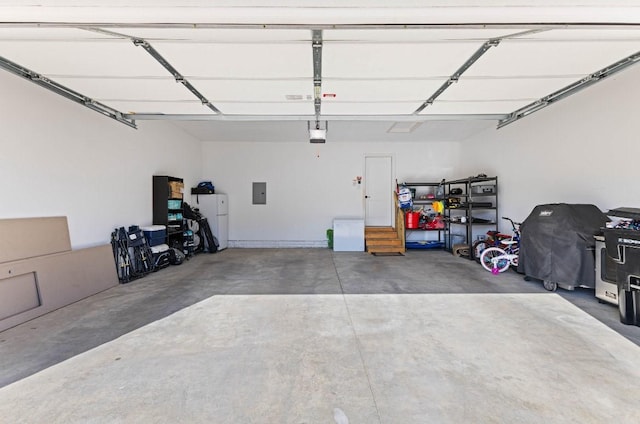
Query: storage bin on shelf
{"points": [[453, 239], [176, 189], [175, 217], [174, 204], [424, 244]]}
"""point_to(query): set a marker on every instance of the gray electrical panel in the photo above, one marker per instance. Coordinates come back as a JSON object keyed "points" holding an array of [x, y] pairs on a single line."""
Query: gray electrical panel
{"points": [[259, 193]]}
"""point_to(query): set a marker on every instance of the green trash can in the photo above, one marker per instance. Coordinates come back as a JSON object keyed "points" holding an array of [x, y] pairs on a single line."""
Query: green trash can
{"points": [[330, 238]]}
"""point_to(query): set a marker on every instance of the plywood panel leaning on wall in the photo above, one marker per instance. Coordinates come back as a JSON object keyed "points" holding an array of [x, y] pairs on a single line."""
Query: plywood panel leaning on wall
{"points": [[40, 273], [24, 238]]}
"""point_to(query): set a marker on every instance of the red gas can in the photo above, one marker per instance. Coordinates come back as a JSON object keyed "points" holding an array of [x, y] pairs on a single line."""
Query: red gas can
{"points": [[412, 219]]}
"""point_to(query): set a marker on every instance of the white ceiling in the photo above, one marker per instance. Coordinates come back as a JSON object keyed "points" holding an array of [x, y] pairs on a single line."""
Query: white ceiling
{"points": [[253, 60]]}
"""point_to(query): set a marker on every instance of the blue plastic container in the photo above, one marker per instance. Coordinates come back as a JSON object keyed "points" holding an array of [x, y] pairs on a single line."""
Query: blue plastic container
{"points": [[155, 234], [174, 204]]}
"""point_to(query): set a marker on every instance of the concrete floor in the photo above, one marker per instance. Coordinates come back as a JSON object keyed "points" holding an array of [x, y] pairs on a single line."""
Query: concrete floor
{"points": [[315, 336]]}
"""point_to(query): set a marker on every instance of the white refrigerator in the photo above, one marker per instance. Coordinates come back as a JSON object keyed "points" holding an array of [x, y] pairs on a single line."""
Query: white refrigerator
{"points": [[214, 207]]}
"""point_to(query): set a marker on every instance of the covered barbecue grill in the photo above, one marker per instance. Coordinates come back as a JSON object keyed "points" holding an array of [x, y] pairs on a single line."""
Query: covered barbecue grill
{"points": [[557, 244]]}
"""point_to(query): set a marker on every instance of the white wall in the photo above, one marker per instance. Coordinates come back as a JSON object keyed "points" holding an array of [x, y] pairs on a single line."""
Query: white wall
{"points": [[308, 185], [583, 149], [60, 158]]}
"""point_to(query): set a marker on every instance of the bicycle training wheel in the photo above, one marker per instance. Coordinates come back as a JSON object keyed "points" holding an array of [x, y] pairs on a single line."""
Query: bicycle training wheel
{"points": [[487, 259], [477, 248]]}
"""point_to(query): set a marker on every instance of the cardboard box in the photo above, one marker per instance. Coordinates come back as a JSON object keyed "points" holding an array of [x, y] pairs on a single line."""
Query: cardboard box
{"points": [[176, 189]]}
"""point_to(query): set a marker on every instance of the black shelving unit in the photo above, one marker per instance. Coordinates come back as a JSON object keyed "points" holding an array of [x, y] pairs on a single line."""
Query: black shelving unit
{"points": [[473, 211], [168, 207], [437, 239]]}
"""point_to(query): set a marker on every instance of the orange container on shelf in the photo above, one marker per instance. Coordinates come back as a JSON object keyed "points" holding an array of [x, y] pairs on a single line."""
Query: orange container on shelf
{"points": [[411, 219]]}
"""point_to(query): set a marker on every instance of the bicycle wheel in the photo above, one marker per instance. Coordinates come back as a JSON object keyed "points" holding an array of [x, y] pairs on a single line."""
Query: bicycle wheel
{"points": [[550, 285], [487, 259], [477, 248], [515, 250]]}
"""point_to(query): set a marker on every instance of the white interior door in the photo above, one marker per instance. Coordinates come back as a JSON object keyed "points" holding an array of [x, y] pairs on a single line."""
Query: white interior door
{"points": [[378, 191]]}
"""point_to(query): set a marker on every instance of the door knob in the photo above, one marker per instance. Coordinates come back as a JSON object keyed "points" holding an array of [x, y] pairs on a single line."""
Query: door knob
{"points": [[366, 197]]}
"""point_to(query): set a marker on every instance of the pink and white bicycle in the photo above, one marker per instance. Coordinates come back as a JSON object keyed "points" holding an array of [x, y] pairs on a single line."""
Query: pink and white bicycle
{"points": [[498, 259]]}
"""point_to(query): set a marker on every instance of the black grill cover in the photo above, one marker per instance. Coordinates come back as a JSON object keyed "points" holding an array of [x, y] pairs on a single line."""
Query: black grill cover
{"points": [[557, 243]]}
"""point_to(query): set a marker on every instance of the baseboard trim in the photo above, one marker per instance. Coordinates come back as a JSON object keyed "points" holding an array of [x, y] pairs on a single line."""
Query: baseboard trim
{"points": [[257, 244]]}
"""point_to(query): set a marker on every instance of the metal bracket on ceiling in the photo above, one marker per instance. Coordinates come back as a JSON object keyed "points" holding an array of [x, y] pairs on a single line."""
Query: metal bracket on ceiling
{"points": [[456, 75], [570, 89], [316, 43], [140, 42], [279, 118], [178, 77], [466, 65], [64, 91]]}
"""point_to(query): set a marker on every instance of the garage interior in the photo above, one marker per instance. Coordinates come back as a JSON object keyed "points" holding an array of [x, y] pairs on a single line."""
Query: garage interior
{"points": [[278, 327]]}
